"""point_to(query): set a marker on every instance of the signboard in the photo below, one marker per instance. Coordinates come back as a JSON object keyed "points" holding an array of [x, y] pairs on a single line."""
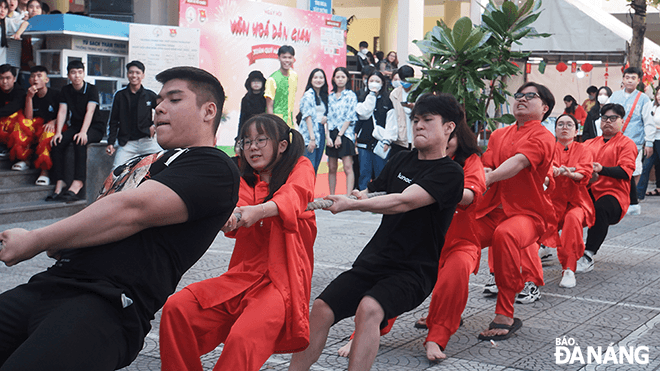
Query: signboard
{"points": [[162, 47], [321, 6], [240, 36], [89, 44]]}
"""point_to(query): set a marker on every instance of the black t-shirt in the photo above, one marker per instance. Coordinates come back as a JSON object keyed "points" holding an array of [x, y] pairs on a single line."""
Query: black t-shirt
{"points": [[76, 102], [46, 107], [136, 133], [411, 242], [13, 101], [147, 266]]}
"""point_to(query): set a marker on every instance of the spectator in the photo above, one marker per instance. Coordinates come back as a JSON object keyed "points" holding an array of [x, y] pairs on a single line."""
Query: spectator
{"points": [[402, 109], [572, 108], [314, 112], [131, 119], [389, 65], [254, 102], [28, 43], [121, 257], [12, 101], [376, 129], [281, 86], [80, 99], [654, 160], [340, 130], [589, 103], [365, 58], [4, 45], [13, 22], [592, 122]]}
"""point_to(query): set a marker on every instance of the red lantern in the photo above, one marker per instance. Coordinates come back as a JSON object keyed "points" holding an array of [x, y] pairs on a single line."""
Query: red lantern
{"points": [[528, 68], [573, 67], [561, 67], [587, 67]]}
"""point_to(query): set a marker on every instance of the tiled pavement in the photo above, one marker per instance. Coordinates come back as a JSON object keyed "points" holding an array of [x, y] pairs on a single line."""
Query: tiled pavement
{"points": [[616, 304]]}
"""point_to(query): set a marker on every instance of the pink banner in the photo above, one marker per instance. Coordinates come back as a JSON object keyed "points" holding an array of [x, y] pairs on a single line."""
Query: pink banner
{"points": [[240, 36]]}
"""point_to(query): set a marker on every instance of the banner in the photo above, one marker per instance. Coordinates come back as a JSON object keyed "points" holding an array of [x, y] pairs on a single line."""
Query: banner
{"points": [[240, 36]]}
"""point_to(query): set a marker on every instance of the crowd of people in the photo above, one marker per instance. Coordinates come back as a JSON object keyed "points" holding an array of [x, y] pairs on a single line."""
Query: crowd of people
{"points": [[164, 203]]}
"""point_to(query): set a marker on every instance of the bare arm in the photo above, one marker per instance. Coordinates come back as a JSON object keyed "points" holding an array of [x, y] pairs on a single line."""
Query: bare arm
{"points": [[81, 137], [508, 169], [269, 105], [411, 198], [27, 111], [109, 219], [19, 33], [61, 118], [468, 197]]}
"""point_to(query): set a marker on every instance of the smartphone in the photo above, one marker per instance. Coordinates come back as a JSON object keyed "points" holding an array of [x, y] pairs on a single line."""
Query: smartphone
{"points": [[404, 103]]}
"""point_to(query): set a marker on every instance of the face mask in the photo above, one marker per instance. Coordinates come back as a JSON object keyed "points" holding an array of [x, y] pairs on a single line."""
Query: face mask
{"points": [[602, 99], [365, 51], [396, 83], [375, 86], [406, 85]]}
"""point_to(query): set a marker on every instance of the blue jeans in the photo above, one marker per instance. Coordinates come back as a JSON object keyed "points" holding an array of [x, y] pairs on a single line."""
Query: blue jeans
{"points": [[316, 156], [646, 171], [370, 167]]}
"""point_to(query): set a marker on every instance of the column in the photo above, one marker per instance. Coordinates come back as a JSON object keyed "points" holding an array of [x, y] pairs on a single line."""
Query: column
{"points": [[411, 21], [388, 26], [452, 12]]}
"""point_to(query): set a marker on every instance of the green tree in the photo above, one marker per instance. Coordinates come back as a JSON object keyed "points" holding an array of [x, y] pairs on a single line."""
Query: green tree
{"points": [[472, 62], [638, 25]]}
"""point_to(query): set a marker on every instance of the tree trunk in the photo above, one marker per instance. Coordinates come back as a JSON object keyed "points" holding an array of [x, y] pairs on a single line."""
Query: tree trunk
{"points": [[639, 29]]}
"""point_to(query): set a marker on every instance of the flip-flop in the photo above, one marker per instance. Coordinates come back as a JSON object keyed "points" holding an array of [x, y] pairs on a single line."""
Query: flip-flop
{"points": [[42, 180], [20, 166], [517, 324], [654, 192]]}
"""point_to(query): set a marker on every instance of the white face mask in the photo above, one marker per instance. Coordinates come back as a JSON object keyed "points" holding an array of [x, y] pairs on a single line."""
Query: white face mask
{"points": [[602, 99], [396, 83], [375, 86], [365, 51]]}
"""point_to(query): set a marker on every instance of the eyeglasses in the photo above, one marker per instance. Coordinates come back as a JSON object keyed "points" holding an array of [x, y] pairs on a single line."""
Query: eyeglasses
{"points": [[528, 96], [259, 142], [612, 118], [567, 125]]}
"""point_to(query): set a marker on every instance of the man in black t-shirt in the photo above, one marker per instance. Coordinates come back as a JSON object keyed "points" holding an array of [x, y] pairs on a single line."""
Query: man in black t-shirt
{"points": [[120, 258], [80, 100], [398, 268], [41, 107]]}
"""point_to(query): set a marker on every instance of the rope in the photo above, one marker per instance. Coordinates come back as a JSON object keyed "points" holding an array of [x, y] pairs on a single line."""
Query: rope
{"points": [[324, 204]]}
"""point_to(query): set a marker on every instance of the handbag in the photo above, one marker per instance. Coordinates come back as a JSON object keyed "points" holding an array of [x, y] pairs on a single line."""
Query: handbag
{"points": [[380, 151]]}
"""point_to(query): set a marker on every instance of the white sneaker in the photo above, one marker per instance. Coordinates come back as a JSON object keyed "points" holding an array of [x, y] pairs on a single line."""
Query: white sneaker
{"points": [[634, 210], [545, 252], [529, 294], [490, 288], [585, 263], [567, 279]]}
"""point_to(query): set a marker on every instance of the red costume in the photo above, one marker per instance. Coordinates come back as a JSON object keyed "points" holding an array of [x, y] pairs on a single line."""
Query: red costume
{"points": [[580, 114], [572, 204], [515, 211], [260, 306], [618, 151]]}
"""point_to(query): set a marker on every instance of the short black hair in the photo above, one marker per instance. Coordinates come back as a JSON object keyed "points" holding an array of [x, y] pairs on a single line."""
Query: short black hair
{"points": [[575, 121], [364, 44], [592, 90], [286, 49], [442, 104], [36, 69], [74, 65], [617, 108], [544, 93], [634, 70], [368, 70], [405, 72], [137, 64], [206, 87], [8, 68]]}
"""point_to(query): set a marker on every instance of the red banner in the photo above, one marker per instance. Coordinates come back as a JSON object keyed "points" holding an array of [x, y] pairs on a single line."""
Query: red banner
{"points": [[263, 51]]}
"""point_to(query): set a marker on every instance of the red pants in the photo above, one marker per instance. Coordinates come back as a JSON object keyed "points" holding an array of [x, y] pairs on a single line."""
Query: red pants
{"points": [[248, 324], [509, 237], [450, 293], [572, 244]]}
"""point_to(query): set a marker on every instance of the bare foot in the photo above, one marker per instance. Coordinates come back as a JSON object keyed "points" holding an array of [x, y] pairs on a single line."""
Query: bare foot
{"points": [[345, 351], [498, 331], [433, 351], [421, 321]]}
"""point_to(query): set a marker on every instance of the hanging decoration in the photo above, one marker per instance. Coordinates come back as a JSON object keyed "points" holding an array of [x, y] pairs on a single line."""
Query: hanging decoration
{"points": [[573, 67], [542, 66], [587, 67], [607, 75], [561, 67], [528, 68]]}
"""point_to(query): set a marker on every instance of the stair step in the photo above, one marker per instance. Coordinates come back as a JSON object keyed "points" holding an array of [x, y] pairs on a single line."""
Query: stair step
{"points": [[37, 210], [24, 194], [11, 178]]}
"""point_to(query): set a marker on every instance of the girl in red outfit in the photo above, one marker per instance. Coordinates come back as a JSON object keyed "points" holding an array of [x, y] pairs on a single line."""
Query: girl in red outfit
{"points": [[571, 169], [260, 306], [573, 108], [460, 254]]}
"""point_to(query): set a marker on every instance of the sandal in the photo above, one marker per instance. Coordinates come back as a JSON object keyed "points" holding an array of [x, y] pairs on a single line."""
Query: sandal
{"points": [[655, 192], [42, 180], [515, 326], [20, 166]]}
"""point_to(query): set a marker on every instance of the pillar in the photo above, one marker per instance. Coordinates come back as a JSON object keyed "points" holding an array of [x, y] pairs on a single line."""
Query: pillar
{"points": [[388, 26], [452, 12], [411, 21]]}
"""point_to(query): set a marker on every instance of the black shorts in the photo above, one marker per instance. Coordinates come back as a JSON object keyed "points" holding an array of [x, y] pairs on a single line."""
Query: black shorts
{"points": [[396, 292], [347, 147]]}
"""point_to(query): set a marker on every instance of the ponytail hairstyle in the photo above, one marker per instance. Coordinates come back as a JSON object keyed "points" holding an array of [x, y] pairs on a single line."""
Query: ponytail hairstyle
{"points": [[571, 109], [277, 130]]}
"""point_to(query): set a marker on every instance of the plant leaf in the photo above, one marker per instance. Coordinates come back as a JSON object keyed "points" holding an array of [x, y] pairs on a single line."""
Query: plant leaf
{"points": [[461, 32]]}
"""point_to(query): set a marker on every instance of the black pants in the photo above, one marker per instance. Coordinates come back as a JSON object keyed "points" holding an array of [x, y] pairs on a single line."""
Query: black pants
{"points": [[45, 326], [608, 212], [58, 154]]}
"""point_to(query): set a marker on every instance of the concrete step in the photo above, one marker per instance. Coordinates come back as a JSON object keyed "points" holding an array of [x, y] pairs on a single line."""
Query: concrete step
{"points": [[37, 210], [13, 179], [24, 194]]}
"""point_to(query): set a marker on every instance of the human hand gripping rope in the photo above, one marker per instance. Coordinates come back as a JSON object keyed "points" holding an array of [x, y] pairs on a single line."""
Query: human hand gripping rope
{"points": [[323, 204]]}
